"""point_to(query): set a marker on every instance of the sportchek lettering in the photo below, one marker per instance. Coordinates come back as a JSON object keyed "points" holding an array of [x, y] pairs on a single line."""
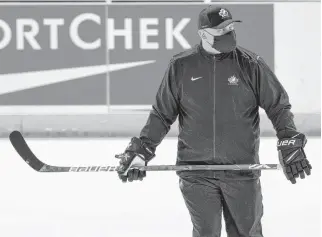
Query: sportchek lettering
{"points": [[27, 30]]}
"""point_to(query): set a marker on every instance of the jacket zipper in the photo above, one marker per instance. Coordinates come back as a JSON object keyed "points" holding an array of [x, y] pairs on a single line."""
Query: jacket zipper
{"points": [[214, 111]]}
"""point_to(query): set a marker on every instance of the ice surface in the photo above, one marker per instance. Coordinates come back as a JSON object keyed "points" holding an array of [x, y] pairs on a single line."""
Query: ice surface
{"points": [[98, 205]]}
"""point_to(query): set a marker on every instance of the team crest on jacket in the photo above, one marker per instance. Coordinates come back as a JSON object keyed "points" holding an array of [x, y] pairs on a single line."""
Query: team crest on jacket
{"points": [[223, 13], [233, 81]]}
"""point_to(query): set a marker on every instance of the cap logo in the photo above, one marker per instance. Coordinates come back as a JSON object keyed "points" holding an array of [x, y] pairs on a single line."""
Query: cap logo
{"points": [[223, 13]]}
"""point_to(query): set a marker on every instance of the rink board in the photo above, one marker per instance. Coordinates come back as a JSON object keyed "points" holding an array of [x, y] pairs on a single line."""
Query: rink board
{"points": [[89, 81]]}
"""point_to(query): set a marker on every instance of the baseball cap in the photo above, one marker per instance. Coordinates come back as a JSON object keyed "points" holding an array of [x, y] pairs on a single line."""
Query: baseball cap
{"points": [[215, 17]]}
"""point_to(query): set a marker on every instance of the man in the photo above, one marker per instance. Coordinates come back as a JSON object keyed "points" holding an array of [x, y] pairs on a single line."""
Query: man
{"points": [[215, 89]]}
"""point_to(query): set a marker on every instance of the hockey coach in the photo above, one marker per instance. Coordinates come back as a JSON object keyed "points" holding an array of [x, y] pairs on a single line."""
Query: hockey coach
{"points": [[215, 90]]}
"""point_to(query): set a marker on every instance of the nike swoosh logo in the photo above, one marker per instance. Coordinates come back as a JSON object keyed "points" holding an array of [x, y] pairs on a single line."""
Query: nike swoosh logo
{"points": [[26, 80], [193, 79]]}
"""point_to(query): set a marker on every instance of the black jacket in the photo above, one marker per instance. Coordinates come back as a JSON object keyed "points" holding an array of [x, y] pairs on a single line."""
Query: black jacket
{"points": [[216, 100]]}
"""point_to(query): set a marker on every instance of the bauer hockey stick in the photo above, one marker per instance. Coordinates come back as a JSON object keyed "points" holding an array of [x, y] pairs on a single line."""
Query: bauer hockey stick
{"points": [[22, 148]]}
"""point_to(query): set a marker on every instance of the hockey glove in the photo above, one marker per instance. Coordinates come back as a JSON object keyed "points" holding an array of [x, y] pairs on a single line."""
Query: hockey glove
{"points": [[291, 155], [136, 154]]}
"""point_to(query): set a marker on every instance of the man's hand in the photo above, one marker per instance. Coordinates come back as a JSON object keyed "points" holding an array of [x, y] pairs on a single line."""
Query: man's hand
{"points": [[292, 156], [136, 154]]}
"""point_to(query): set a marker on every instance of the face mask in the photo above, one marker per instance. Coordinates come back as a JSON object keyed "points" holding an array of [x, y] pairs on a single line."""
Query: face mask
{"points": [[225, 43]]}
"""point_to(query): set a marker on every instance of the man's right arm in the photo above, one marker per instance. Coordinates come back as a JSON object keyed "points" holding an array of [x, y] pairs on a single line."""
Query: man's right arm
{"points": [[164, 111]]}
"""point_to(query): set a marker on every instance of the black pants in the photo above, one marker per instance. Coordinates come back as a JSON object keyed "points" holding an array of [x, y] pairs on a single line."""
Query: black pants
{"points": [[239, 200]]}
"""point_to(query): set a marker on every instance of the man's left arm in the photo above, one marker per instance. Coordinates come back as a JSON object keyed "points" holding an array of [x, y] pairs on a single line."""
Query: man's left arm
{"points": [[273, 98]]}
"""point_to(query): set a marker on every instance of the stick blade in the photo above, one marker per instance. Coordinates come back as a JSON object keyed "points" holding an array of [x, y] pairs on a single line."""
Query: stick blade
{"points": [[22, 148]]}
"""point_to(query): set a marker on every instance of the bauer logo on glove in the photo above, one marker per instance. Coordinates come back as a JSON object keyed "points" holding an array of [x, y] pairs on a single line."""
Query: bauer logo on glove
{"points": [[292, 156], [286, 142]]}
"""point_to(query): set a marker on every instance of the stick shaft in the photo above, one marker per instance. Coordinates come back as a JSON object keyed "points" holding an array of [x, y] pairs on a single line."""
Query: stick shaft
{"points": [[48, 168], [29, 157]]}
